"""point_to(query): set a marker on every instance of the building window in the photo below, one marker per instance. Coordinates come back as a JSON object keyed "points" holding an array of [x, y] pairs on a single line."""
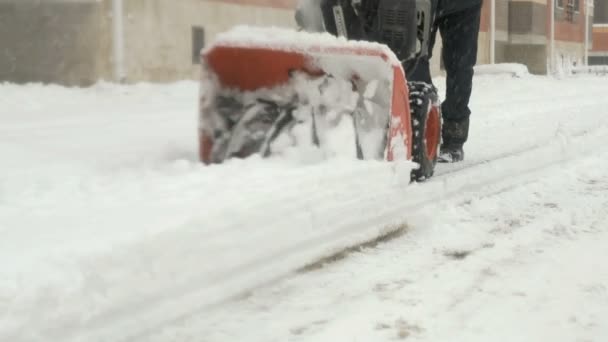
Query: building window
{"points": [[600, 12], [598, 60], [572, 5], [198, 43], [568, 8], [575, 5]]}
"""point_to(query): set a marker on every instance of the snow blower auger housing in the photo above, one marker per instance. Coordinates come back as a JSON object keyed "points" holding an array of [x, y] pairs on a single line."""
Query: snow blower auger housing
{"points": [[271, 91]]}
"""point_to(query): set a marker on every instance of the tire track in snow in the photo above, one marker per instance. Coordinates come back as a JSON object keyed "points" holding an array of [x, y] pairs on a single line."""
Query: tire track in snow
{"points": [[170, 306], [497, 185]]}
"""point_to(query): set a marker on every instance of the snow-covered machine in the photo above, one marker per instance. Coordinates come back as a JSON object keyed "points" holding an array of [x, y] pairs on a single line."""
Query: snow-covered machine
{"points": [[336, 87]]}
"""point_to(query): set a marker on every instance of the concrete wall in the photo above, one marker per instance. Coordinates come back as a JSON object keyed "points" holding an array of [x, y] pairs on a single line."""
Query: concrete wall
{"points": [[534, 56], [527, 42], [523, 33], [569, 52], [54, 41], [502, 34], [520, 33], [158, 33], [70, 41]]}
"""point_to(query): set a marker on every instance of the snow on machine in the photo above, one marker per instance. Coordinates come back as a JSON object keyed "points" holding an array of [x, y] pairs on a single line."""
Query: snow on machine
{"points": [[337, 87]]}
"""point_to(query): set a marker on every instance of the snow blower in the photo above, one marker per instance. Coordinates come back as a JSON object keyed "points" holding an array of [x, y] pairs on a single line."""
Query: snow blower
{"points": [[337, 86]]}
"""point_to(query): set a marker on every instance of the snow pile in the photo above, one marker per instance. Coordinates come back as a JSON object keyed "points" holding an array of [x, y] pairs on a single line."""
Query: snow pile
{"points": [[512, 69], [297, 41], [111, 230], [526, 263], [322, 115], [326, 119], [334, 55], [110, 225], [590, 70]]}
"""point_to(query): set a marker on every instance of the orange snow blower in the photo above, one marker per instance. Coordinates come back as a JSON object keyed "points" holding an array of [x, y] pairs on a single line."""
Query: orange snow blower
{"points": [[342, 91]]}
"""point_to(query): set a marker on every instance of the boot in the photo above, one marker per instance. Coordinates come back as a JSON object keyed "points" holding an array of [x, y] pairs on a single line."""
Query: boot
{"points": [[454, 134], [450, 154]]}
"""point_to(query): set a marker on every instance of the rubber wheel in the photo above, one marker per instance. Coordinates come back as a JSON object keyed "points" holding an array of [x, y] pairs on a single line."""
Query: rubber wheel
{"points": [[426, 129]]}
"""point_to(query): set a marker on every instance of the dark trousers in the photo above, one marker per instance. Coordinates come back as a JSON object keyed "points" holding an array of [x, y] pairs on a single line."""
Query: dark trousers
{"points": [[459, 33]]}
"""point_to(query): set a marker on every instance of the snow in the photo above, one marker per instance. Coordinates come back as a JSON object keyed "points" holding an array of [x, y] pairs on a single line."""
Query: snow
{"points": [[522, 264], [514, 69], [288, 39], [110, 229], [335, 55], [590, 69], [329, 100]]}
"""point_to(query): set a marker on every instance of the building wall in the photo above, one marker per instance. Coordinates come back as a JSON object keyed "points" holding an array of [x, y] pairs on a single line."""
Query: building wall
{"points": [[501, 32], [599, 54], [523, 33], [600, 38], [54, 41], [528, 35], [569, 54], [599, 51], [70, 41], [570, 26], [158, 33]]}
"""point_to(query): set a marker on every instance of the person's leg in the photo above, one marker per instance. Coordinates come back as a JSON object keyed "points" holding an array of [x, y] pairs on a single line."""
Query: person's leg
{"points": [[459, 33]]}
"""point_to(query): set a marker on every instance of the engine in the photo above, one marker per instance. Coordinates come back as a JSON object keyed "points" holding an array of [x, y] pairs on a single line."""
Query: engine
{"points": [[403, 25]]}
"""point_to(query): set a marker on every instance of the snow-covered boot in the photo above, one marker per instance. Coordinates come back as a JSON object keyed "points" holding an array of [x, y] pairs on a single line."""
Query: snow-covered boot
{"points": [[454, 134], [450, 154]]}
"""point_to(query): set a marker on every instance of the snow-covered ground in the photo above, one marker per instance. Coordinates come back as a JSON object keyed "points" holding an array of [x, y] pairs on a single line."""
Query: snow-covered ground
{"points": [[111, 230]]}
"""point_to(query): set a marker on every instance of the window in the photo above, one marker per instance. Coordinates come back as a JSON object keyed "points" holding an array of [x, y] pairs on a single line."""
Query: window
{"points": [[567, 8], [598, 60], [198, 43], [572, 5], [575, 5], [600, 15]]}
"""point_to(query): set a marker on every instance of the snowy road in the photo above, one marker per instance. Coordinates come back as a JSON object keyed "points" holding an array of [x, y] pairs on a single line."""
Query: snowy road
{"points": [[110, 230], [524, 264]]}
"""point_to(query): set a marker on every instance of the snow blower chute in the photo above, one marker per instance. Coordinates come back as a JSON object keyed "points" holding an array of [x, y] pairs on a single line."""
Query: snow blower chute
{"points": [[341, 90]]}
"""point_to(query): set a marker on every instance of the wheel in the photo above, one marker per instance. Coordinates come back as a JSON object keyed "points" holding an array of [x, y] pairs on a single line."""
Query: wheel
{"points": [[426, 129]]}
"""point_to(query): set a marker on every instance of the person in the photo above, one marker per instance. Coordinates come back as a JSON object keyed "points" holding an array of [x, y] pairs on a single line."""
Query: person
{"points": [[458, 23]]}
